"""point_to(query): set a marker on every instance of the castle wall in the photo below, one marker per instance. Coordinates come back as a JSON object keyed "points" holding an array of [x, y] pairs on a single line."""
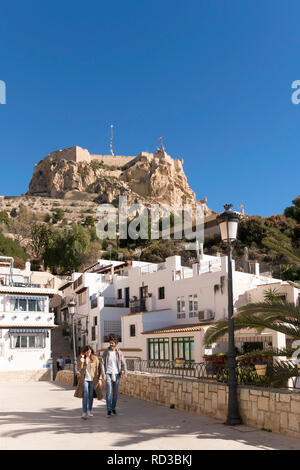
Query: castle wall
{"points": [[111, 160], [75, 154], [78, 154]]}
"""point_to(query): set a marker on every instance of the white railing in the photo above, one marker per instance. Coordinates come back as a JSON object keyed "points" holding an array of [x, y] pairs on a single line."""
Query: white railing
{"points": [[182, 273], [152, 268], [209, 266]]}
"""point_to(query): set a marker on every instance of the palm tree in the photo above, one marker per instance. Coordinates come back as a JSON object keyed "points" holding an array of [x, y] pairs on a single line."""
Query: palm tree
{"points": [[273, 313]]}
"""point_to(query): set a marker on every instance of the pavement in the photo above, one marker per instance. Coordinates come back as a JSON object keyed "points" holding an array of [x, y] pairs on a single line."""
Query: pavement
{"points": [[46, 416]]}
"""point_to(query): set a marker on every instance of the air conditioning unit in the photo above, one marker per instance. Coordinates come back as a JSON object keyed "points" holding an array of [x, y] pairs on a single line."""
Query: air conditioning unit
{"points": [[205, 315]]}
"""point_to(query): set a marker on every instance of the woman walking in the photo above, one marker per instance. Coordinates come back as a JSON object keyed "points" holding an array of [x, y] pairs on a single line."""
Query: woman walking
{"points": [[88, 366]]}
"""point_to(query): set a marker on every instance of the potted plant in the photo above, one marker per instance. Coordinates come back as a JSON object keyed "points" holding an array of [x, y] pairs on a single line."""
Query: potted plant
{"points": [[219, 358], [208, 358], [261, 368]]}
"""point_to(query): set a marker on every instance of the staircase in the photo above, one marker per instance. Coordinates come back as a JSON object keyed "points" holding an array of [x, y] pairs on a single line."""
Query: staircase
{"points": [[60, 346]]}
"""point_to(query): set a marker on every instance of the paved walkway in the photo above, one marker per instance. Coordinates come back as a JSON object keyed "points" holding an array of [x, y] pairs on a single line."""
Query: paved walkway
{"points": [[45, 415]]}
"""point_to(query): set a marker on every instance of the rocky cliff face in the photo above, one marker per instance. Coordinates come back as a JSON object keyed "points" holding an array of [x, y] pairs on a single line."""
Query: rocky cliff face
{"points": [[148, 179]]}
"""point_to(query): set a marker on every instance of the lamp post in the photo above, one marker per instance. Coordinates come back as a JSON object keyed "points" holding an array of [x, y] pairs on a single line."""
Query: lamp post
{"points": [[228, 223], [71, 307]]}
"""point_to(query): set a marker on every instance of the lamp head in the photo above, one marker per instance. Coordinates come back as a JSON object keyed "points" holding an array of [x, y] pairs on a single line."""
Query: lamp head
{"points": [[228, 222]]}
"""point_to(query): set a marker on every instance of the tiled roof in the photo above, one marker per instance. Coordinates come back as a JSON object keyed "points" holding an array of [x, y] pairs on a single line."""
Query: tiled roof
{"points": [[179, 328]]}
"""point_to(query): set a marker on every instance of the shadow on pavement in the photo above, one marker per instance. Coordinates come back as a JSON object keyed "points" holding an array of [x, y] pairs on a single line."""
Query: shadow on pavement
{"points": [[137, 422]]}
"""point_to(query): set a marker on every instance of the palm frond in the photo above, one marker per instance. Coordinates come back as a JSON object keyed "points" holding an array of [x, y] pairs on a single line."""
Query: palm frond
{"points": [[282, 317], [285, 250]]}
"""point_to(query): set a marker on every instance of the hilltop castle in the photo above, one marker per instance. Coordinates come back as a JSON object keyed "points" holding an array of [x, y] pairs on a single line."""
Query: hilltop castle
{"points": [[77, 154]]}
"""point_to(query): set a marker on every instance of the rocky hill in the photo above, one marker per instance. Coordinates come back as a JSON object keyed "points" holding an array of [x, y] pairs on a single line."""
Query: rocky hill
{"points": [[75, 174]]}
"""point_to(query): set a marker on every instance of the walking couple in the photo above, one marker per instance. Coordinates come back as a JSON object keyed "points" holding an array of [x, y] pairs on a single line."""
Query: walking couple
{"points": [[92, 372]]}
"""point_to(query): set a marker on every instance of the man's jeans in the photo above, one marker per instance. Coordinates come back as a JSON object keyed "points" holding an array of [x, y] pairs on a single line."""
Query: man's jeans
{"points": [[112, 391], [88, 395]]}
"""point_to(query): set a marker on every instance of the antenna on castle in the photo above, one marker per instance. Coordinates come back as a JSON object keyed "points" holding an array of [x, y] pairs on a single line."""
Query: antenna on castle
{"points": [[112, 139]]}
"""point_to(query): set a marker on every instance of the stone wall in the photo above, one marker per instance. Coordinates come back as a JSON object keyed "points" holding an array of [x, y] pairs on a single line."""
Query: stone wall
{"points": [[22, 376], [268, 409], [64, 376], [114, 161]]}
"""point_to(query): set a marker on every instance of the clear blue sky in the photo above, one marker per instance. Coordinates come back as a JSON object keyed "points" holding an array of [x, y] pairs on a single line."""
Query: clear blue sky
{"points": [[213, 77]]}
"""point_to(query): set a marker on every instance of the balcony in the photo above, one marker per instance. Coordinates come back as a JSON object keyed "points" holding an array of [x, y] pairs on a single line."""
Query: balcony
{"points": [[152, 268], [113, 302], [22, 281], [137, 306]]}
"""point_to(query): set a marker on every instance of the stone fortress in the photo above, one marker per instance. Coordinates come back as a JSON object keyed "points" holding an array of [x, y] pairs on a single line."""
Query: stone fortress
{"points": [[78, 154]]}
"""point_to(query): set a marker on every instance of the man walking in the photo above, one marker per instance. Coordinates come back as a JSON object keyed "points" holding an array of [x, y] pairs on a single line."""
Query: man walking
{"points": [[59, 363], [112, 367]]}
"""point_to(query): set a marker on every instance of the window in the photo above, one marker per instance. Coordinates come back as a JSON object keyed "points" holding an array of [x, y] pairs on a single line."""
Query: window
{"points": [[28, 341], [158, 348], [180, 315], [82, 298], [27, 304], [193, 306], [132, 330], [95, 321], [161, 292], [78, 282], [94, 301], [119, 293], [93, 333], [183, 348], [180, 307]]}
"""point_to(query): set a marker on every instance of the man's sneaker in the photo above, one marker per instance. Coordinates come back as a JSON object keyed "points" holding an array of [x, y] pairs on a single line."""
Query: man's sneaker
{"points": [[108, 414], [84, 416], [114, 412], [90, 414]]}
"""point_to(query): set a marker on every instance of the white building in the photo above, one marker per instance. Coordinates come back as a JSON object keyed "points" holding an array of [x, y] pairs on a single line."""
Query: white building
{"points": [[25, 321], [161, 311]]}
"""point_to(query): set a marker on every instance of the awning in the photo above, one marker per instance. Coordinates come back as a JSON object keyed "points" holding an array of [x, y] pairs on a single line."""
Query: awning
{"points": [[27, 330], [258, 338], [26, 297]]}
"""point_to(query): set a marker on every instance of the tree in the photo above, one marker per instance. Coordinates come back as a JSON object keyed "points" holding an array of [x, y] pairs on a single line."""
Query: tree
{"points": [[89, 221], [58, 215], [294, 211], [40, 236], [64, 251], [9, 247], [4, 218]]}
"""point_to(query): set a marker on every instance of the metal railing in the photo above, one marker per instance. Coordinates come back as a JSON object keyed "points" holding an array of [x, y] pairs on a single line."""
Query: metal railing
{"points": [[201, 370], [113, 302], [152, 268], [218, 372], [137, 306]]}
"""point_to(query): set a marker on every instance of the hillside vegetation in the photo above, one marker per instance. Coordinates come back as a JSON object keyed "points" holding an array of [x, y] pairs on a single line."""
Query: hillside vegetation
{"points": [[62, 246]]}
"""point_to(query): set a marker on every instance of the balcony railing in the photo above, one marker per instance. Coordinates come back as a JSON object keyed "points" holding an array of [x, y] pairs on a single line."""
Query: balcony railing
{"points": [[15, 281], [113, 302], [152, 268], [137, 306]]}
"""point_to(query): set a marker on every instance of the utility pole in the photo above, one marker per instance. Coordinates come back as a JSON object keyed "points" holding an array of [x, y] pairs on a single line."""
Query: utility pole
{"points": [[112, 139]]}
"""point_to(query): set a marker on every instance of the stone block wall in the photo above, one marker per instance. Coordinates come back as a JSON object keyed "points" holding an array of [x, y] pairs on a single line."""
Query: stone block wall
{"points": [[268, 409], [64, 376], [21, 376]]}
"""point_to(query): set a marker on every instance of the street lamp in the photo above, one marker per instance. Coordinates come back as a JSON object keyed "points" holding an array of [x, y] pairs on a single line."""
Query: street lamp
{"points": [[71, 308], [228, 222]]}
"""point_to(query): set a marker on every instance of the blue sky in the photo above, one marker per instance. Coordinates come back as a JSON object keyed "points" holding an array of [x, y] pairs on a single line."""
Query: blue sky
{"points": [[213, 77]]}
